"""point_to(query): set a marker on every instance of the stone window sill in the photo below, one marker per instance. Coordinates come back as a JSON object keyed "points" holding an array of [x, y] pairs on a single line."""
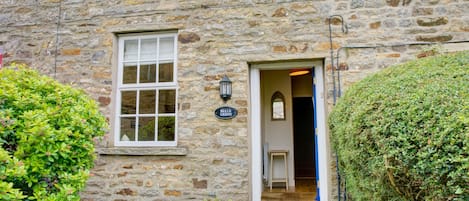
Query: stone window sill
{"points": [[143, 151]]}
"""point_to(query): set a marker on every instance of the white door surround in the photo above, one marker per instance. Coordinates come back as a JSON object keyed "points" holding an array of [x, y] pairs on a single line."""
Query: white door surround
{"points": [[255, 141]]}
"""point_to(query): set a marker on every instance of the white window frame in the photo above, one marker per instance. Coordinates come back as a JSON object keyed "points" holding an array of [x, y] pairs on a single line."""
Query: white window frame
{"points": [[144, 86]]}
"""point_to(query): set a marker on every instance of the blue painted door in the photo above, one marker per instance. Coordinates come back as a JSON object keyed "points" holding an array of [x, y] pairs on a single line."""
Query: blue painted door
{"points": [[315, 134]]}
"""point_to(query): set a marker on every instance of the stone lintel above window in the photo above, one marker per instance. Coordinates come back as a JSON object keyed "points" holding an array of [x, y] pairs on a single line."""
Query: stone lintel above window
{"points": [[143, 151]]}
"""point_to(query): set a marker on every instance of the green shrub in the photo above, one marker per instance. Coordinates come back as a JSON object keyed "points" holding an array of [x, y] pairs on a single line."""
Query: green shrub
{"points": [[403, 133], [46, 137]]}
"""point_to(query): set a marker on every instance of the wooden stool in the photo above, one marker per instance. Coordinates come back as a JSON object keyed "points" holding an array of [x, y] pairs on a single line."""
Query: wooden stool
{"points": [[283, 154]]}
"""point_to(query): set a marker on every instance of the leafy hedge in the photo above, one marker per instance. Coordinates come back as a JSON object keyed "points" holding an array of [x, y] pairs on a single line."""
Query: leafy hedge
{"points": [[46, 137], [403, 133]]}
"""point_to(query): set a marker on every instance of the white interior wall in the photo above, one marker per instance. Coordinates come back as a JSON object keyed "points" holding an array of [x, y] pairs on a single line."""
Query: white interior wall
{"points": [[278, 133]]}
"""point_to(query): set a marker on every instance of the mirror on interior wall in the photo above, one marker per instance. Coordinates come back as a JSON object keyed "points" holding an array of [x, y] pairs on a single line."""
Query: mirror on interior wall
{"points": [[278, 106]]}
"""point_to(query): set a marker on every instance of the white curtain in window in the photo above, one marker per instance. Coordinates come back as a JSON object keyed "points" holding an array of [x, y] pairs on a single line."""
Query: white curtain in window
{"points": [[148, 49], [130, 50], [166, 48]]}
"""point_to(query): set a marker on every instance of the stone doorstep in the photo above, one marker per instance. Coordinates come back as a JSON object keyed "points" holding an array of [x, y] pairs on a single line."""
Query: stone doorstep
{"points": [[143, 151]]}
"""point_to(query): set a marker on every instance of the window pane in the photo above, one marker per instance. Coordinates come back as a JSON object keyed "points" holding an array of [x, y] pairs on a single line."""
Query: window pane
{"points": [[167, 101], [147, 102], [167, 48], [166, 128], [127, 129], [148, 49], [165, 72], [129, 102], [146, 130], [147, 73], [130, 73], [130, 50]]}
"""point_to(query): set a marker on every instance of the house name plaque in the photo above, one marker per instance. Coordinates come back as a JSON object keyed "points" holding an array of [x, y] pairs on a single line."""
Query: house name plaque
{"points": [[226, 112]]}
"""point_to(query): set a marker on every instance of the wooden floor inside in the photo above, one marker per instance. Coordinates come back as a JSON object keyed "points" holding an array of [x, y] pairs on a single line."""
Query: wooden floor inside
{"points": [[304, 190]]}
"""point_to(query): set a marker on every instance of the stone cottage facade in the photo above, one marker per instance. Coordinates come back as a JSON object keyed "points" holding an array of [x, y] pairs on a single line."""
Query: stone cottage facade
{"points": [[155, 66]]}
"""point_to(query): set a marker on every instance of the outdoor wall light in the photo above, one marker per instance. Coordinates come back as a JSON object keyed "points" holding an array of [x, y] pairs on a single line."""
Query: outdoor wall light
{"points": [[225, 88]]}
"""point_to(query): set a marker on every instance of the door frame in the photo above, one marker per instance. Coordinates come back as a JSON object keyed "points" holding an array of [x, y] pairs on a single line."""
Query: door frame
{"points": [[255, 140]]}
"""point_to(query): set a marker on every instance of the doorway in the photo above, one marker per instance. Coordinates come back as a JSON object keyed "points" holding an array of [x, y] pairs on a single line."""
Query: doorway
{"points": [[260, 99]]}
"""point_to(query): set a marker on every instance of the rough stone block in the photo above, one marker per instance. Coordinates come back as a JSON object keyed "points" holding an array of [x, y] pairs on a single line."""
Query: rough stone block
{"points": [[242, 111], [102, 75], [422, 11], [421, 31], [133, 2], [128, 166], [23, 10], [343, 66], [426, 54], [393, 3], [122, 174], [241, 119], [217, 161], [440, 38], [103, 101], [212, 77], [150, 193], [98, 56], [334, 21], [178, 167], [399, 48], [389, 23], [174, 193], [188, 37], [24, 54], [279, 48], [253, 23], [326, 46], [177, 18], [390, 55], [375, 25], [431, 2], [441, 11], [293, 49], [374, 4], [405, 23], [202, 184], [357, 4], [86, 199], [303, 8], [185, 106], [139, 182], [127, 191], [432, 21], [281, 12], [148, 183], [71, 52]]}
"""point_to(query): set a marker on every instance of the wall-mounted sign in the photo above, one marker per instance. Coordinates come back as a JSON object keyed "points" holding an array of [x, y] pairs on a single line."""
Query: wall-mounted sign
{"points": [[226, 112]]}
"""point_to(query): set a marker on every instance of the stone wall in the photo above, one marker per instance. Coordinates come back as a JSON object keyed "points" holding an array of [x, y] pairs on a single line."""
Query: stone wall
{"points": [[75, 42]]}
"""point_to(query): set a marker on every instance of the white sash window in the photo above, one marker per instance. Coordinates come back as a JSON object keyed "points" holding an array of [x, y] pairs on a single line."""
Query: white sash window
{"points": [[147, 90]]}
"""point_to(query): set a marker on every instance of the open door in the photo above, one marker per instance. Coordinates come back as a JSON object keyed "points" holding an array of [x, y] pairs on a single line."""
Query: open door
{"points": [[315, 98]]}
